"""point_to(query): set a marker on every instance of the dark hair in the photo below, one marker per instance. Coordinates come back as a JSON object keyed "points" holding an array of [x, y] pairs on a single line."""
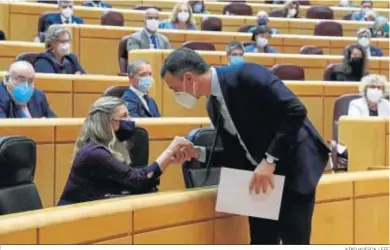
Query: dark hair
{"points": [[260, 30], [2, 36], [366, 1], [184, 60], [234, 45], [345, 67]]}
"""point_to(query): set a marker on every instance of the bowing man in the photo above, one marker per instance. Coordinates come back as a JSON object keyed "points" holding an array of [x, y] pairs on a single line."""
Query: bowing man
{"points": [[139, 103]]}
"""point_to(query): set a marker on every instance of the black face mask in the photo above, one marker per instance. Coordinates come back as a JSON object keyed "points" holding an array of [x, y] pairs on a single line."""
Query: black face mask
{"points": [[126, 130], [356, 62], [96, 2]]}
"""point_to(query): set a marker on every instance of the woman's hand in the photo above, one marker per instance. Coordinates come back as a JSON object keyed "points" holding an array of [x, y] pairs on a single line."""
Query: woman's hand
{"points": [[176, 153]]}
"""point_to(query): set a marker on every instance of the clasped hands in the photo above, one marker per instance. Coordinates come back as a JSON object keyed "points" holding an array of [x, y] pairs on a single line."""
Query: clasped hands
{"points": [[181, 150]]}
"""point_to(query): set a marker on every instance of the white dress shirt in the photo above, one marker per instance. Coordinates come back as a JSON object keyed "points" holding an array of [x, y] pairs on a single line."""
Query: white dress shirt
{"points": [[141, 96], [26, 111], [63, 20], [228, 122]]}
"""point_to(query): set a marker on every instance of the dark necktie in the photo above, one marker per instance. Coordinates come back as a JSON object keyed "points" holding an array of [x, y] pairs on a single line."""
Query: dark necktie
{"points": [[153, 38], [146, 98], [67, 21]]}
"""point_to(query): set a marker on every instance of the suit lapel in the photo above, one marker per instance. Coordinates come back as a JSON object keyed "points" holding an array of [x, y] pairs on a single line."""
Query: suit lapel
{"points": [[134, 96], [145, 39]]}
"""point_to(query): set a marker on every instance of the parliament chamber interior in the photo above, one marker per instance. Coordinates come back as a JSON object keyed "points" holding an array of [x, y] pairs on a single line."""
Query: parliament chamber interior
{"points": [[61, 61]]}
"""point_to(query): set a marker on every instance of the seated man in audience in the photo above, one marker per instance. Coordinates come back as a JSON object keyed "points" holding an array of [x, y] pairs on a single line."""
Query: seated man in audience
{"points": [[373, 103], [262, 19], [354, 65], [65, 16], [97, 4], [139, 103], [102, 165], [260, 38], [235, 52], [364, 39], [366, 11], [58, 59], [19, 98], [149, 37]]}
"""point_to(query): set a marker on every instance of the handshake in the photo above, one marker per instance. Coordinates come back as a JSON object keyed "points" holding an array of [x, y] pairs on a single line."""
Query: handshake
{"points": [[179, 151]]}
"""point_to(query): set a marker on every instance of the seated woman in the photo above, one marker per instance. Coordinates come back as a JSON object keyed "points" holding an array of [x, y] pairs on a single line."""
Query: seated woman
{"points": [[379, 28], [57, 59], [260, 37], [373, 88], [354, 65], [291, 9], [198, 6], [101, 163], [181, 18]]}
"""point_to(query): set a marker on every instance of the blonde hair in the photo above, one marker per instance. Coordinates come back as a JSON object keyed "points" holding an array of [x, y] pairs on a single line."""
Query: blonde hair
{"points": [[97, 128], [175, 11], [373, 79]]}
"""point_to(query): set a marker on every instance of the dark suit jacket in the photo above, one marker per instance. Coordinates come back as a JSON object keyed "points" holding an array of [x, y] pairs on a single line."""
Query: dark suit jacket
{"points": [[56, 19], [46, 62], [38, 105], [270, 119], [102, 4], [96, 172], [137, 108]]}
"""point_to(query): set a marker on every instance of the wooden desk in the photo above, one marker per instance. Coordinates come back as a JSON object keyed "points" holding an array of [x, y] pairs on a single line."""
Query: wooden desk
{"points": [[20, 20], [55, 142], [367, 140], [351, 208], [10, 49], [217, 7], [87, 39]]}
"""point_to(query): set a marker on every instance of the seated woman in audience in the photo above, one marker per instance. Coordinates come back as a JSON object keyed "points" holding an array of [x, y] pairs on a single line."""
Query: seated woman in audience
{"points": [[198, 6], [18, 96], [291, 9], [379, 28], [181, 18], [354, 65], [260, 37], [101, 162], [97, 4], [57, 59], [262, 19], [373, 103], [2, 36], [364, 39]]}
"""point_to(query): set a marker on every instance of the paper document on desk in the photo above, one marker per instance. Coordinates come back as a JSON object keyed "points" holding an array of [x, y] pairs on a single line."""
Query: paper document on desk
{"points": [[234, 198]]}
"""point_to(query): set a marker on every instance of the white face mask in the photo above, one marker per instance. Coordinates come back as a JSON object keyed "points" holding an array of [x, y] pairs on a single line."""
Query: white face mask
{"points": [[63, 49], [186, 99], [152, 24], [183, 16], [364, 41], [67, 12], [292, 12], [261, 42], [344, 3], [374, 95]]}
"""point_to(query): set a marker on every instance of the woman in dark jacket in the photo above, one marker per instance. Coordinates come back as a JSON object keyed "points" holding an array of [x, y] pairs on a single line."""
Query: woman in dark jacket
{"points": [[354, 65], [101, 164]]}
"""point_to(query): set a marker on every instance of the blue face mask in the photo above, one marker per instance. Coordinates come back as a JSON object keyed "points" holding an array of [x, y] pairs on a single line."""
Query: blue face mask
{"points": [[262, 21], [236, 59], [198, 8], [145, 84], [22, 92], [126, 130]]}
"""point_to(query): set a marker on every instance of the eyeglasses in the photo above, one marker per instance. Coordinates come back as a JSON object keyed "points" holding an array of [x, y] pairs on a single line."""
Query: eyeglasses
{"points": [[22, 79]]}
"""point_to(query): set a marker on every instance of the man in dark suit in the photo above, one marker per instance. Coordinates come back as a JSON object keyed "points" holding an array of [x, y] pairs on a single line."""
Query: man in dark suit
{"points": [[264, 128], [65, 16], [139, 103], [19, 98]]}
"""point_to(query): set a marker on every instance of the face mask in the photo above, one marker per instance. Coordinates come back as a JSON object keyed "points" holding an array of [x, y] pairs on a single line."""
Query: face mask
{"points": [[262, 21], [183, 16], [374, 95], [364, 41], [22, 92], [152, 24], [145, 84], [185, 99], [63, 49], [261, 42], [198, 8], [292, 12], [126, 130], [356, 62], [236, 59], [344, 3], [67, 12]]}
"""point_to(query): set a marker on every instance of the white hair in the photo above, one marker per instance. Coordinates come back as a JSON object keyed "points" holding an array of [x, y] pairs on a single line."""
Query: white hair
{"points": [[373, 79]]}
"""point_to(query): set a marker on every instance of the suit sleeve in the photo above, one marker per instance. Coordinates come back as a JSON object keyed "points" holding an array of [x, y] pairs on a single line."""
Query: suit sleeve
{"points": [[271, 91], [43, 66], [3, 113], [132, 44]]}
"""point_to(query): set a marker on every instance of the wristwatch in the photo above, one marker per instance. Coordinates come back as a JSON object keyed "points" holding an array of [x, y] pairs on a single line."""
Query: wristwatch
{"points": [[270, 160]]}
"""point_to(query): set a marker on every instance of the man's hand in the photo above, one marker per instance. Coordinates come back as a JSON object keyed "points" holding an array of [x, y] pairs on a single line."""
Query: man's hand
{"points": [[263, 176]]}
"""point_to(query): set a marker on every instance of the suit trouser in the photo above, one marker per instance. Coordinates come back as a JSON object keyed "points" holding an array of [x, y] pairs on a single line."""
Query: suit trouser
{"points": [[294, 225]]}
